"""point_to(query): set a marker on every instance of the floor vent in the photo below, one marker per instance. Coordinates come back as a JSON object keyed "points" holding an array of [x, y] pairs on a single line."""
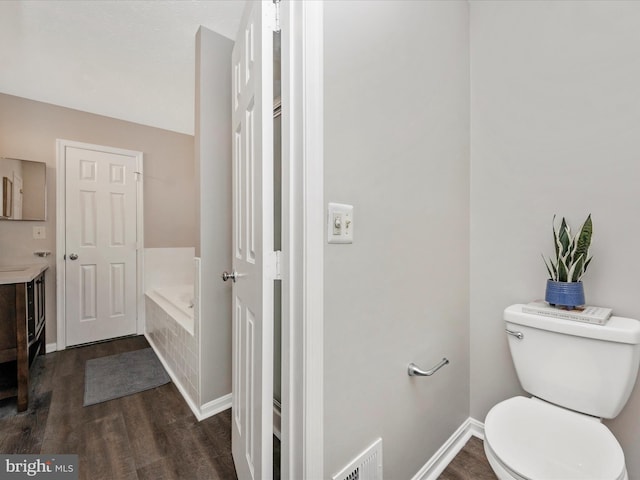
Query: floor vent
{"points": [[366, 466]]}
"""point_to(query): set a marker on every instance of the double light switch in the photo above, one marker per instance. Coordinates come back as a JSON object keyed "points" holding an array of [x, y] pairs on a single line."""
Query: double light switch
{"points": [[340, 223]]}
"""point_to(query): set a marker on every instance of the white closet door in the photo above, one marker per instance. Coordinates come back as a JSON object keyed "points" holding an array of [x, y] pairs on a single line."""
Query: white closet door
{"points": [[253, 256]]}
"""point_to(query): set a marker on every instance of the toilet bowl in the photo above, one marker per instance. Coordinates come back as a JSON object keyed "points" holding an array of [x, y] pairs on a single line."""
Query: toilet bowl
{"points": [[529, 439]]}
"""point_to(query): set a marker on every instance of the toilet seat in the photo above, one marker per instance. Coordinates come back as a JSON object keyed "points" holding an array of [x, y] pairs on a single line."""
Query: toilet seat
{"points": [[536, 440]]}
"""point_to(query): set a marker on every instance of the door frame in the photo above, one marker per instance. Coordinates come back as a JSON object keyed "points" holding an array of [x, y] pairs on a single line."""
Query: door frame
{"points": [[61, 242], [303, 240]]}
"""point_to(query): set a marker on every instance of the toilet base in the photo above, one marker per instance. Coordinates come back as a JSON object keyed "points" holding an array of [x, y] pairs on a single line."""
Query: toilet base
{"points": [[501, 472]]}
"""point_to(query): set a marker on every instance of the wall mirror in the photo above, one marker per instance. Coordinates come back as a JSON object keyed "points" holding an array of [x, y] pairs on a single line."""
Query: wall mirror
{"points": [[24, 189]]}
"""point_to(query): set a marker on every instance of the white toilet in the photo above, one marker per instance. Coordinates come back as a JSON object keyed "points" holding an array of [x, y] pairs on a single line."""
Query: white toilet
{"points": [[577, 373]]}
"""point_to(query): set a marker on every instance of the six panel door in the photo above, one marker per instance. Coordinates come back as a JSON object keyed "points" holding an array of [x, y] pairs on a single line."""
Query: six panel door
{"points": [[101, 245], [253, 256]]}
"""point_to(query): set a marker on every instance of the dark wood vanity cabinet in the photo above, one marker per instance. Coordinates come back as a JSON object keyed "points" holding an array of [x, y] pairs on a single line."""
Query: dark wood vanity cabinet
{"points": [[22, 335]]}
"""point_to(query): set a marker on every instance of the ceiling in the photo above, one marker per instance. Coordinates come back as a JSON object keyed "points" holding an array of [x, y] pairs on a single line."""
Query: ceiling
{"points": [[132, 60]]}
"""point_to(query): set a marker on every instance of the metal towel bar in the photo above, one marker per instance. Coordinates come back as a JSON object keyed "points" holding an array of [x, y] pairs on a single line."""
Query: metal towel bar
{"points": [[415, 371]]}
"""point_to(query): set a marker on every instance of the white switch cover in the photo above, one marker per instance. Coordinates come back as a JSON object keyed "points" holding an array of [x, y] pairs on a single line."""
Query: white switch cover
{"points": [[340, 223], [39, 233]]}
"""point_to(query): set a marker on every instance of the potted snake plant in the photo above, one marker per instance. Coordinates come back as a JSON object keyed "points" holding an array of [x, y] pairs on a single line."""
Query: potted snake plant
{"points": [[564, 287]]}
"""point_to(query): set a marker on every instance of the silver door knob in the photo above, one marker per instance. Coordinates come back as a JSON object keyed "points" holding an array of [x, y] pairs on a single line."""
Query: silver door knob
{"points": [[73, 256], [226, 276]]}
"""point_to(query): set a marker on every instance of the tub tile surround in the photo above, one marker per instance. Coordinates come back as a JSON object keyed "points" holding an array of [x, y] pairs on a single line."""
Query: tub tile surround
{"points": [[177, 349]]}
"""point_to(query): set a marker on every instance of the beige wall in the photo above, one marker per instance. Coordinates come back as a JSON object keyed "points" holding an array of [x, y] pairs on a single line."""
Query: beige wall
{"points": [[397, 148], [29, 130], [555, 116]]}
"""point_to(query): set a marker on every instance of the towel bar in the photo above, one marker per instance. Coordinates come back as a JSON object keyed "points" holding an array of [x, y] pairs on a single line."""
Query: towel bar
{"points": [[415, 371]]}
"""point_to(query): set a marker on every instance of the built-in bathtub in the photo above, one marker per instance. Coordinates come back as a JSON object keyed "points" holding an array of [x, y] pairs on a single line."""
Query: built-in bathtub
{"points": [[172, 317], [174, 327], [177, 301]]}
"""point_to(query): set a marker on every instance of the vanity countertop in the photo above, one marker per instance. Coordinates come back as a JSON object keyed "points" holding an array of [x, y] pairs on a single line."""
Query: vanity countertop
{"points": [[20, 273]]}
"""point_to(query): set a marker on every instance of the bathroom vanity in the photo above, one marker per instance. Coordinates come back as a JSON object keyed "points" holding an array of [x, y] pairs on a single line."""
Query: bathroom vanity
{"points": [[22, 327]]}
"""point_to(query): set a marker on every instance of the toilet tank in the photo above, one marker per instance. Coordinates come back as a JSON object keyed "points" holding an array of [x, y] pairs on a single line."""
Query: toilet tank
{"points": [[584, 367]]}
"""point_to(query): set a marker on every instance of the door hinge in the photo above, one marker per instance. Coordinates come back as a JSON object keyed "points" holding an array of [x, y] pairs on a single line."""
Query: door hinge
{"points": [[278, 265], [276, 13]]}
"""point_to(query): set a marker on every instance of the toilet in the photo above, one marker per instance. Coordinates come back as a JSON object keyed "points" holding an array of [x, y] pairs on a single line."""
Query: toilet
{"points": [[577, 374]]}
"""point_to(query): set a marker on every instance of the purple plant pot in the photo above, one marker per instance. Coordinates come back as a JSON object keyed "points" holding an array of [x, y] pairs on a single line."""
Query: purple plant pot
{"points": [[565, 294]]}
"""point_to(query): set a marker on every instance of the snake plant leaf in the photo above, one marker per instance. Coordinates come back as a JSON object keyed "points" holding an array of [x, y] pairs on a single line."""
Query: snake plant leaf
{"points": [[555, 236], [559, 247], [571, 252], [576, 270], [573, 246], [554, 270], [562, 269], [570, 273], [564, 236], [583, 239], [549, 266]]}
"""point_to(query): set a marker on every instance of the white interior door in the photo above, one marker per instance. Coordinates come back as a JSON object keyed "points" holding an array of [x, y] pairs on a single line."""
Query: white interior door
{"points": [[101, 245], [253, 255]]}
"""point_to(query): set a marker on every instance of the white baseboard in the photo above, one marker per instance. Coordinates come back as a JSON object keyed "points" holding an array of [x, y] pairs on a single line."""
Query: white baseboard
{"points": [[205, 411], [439, 461], [476, 428], [216, 406], [194, 408], [51, 347]]}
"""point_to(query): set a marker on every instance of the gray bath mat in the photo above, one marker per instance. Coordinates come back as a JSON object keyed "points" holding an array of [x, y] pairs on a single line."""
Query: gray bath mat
{"points": [[123, 374]]}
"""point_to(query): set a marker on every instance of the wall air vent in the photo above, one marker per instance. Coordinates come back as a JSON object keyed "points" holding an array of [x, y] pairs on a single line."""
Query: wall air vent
{"points": [[366, 466]]}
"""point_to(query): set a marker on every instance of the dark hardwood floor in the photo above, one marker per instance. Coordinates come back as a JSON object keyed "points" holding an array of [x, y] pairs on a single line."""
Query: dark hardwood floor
{"points": [[469, 464], [149, 435]]}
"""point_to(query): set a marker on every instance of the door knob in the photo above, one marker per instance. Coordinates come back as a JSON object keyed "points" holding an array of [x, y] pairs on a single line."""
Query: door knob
{"points": [[73, 256], [226, 276]]}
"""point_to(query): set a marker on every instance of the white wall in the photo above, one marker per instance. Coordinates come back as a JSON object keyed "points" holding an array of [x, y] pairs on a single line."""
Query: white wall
{"points": [[213, 169], [555, 116], [126, 59], [397, 148], [168, 267]]}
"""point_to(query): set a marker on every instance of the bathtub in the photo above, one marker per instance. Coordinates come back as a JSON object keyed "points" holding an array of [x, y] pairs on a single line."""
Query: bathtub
{"points": [[177, 302]]}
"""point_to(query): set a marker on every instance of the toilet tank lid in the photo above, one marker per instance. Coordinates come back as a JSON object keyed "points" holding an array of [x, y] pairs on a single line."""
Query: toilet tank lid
{"points": [[617, 329]]}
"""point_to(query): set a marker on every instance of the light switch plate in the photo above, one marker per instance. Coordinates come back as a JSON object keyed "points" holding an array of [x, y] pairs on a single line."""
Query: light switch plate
{"points": [[339, 223]]}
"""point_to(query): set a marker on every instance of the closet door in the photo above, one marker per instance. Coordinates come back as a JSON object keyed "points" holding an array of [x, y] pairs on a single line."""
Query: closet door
{"points": [[253, 255]]}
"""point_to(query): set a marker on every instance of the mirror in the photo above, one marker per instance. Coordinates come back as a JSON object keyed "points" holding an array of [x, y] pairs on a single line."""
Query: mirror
{"points": [[24, 189]]}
